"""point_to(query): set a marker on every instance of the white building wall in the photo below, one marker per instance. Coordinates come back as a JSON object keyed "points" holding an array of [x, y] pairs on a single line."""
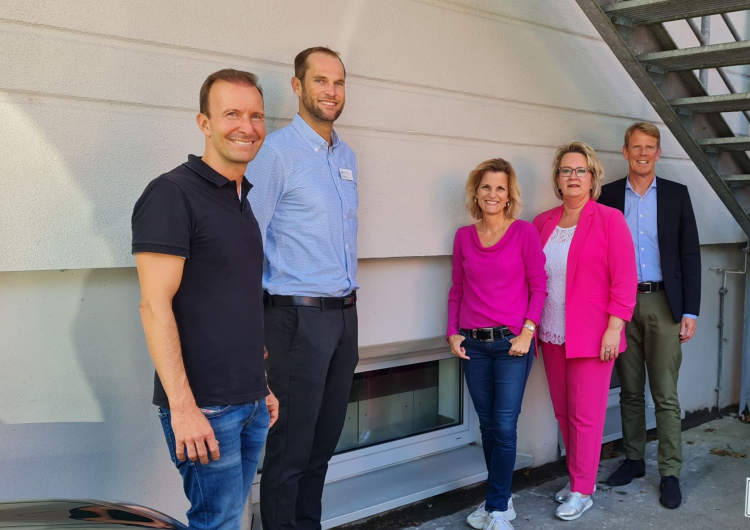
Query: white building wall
{"points": [[76, 386], [99, 98]]}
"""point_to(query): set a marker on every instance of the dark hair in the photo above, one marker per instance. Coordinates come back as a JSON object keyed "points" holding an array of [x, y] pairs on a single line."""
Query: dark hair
{"points": [[238, 77], [300, 62]]}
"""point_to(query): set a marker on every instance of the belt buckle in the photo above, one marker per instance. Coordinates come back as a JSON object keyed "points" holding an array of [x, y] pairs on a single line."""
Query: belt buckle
{"points": [[492, 335], [650, 288]]}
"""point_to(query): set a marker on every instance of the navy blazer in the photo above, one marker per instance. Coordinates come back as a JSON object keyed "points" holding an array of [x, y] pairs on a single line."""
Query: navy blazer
{"points": [[679, 248]]}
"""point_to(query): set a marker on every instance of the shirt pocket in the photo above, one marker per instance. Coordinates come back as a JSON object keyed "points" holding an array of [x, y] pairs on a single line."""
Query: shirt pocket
{"points": [[351, 197]]}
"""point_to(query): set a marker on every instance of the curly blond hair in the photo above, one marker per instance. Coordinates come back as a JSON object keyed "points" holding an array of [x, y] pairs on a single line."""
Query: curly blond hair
{"points": [[494, 165]]}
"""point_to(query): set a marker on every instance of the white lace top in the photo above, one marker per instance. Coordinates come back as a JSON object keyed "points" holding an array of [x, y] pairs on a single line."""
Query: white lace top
{"points": [[552, 325]]}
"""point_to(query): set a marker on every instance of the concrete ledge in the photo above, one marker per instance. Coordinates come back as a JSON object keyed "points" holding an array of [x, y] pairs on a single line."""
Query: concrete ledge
{"points": [[407, 347]]}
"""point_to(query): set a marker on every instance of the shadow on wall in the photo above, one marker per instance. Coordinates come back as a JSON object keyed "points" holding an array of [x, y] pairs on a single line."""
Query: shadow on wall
{"points": [[112, 447]]}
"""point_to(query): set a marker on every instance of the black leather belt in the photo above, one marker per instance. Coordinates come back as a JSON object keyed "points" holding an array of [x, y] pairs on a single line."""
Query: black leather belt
{"points": [[323, 302], [488, 334], [650, 287]]}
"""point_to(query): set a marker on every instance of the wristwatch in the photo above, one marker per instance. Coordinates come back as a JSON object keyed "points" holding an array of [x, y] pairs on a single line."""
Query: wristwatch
{"points": [[530, 327]]}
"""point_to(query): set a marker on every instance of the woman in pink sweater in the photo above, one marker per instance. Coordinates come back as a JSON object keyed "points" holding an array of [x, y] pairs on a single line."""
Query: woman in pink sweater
{"points": [[498, 292]]}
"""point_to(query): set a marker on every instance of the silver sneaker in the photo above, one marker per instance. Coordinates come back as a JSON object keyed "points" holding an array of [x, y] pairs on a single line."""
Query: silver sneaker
{"points": [[562, 495], [497, 521], [574, 507]]}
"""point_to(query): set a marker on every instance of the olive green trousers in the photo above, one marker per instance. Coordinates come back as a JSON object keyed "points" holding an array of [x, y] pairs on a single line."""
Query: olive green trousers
{"points": [[653, 348]]}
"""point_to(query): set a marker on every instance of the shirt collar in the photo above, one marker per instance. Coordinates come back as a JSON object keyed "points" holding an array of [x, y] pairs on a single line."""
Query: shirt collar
{"points": [[629, 187], [196, 164], [314, 140]]}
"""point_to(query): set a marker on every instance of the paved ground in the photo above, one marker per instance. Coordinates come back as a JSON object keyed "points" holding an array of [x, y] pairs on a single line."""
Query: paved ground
{"points": [[714, 489]]}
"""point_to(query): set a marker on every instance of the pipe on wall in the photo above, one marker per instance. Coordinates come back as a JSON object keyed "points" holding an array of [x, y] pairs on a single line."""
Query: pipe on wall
{"points": [[722, 295]]}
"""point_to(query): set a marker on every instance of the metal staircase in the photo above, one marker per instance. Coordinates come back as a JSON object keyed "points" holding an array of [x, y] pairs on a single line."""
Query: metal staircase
{"points": [[666, 74], [635, 32]]}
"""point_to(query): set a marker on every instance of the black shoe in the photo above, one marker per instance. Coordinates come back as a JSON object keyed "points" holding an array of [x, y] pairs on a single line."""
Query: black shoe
{"points": [[628, 470], [671, 496]]}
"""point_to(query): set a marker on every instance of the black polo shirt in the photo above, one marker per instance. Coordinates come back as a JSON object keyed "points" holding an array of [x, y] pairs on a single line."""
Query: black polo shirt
{"points": [[194, 212]]}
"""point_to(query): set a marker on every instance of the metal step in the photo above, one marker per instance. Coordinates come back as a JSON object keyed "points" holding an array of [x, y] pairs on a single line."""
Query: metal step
{"points": [[711, 56], [736, 143], [643, 12], [736, 181], [705, 104]]}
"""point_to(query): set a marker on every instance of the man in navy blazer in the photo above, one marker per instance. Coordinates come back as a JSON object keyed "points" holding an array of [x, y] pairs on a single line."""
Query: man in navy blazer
{"points": [[661, 220]]}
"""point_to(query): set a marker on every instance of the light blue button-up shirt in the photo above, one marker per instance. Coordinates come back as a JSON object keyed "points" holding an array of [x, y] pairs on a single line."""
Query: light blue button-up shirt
{"points": [[640, 214], [304, 197]]}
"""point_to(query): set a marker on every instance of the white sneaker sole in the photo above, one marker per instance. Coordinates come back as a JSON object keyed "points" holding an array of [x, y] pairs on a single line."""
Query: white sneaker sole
{"points": [[509, 515]]}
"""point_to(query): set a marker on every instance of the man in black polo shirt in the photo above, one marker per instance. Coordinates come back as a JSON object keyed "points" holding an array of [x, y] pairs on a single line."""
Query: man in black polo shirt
{"points": [[200, 259]]}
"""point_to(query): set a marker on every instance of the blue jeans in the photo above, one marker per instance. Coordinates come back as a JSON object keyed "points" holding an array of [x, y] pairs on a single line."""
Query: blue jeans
{"points": [[218, 491], [496, 384]]}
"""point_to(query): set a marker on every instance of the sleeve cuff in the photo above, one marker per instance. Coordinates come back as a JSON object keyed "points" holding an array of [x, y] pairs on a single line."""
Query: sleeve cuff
{"points": [[694, 317], [620, 311], [161, 249], [536, 305]]}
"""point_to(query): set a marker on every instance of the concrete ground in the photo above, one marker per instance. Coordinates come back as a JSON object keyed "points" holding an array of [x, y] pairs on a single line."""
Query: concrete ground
{"points": [[713, 488]]}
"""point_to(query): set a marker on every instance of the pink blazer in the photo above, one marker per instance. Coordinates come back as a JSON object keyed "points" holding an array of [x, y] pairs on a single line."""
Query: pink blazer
{"points": [[601, 278]]}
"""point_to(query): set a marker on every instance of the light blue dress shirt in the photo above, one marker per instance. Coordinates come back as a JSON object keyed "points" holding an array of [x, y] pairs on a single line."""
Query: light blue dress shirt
{"points": [[304, 197], [640, 214]]}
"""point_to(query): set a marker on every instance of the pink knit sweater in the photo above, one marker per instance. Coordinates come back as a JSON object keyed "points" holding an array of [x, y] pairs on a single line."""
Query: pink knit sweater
{"points": [[497, 286]]}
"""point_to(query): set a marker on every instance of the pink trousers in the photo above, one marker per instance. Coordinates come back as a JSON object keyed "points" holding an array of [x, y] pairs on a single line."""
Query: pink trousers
{"points": [[579, 388]]}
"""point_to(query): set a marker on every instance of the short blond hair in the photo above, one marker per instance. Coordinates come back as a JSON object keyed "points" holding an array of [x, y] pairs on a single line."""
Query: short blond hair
{"points": [[494, 165], [595, 167], [646, 128]]}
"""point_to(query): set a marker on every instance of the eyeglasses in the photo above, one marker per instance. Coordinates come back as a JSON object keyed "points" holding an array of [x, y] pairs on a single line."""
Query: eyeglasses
{"points": [[569, 172]]}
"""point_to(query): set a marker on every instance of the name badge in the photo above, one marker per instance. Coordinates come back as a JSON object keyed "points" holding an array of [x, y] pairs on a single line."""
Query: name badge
{"points": [[346, 174]]}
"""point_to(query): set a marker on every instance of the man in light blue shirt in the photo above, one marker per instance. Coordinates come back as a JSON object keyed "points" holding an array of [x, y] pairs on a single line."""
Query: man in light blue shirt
{"points": [[305, 200], [640, 214], [661, 221]]}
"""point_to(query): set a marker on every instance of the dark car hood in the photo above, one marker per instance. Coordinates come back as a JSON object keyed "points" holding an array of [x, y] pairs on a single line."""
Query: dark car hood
{"points": [[81, 514]]}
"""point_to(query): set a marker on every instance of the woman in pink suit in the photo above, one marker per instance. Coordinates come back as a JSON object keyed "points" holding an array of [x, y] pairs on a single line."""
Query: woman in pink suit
{"points": [[592, 283]]}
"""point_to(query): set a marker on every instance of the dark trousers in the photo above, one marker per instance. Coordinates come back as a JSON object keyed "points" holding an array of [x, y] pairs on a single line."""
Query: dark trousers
{"points": [[312, 354], [654, 345], [496, 383]]}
